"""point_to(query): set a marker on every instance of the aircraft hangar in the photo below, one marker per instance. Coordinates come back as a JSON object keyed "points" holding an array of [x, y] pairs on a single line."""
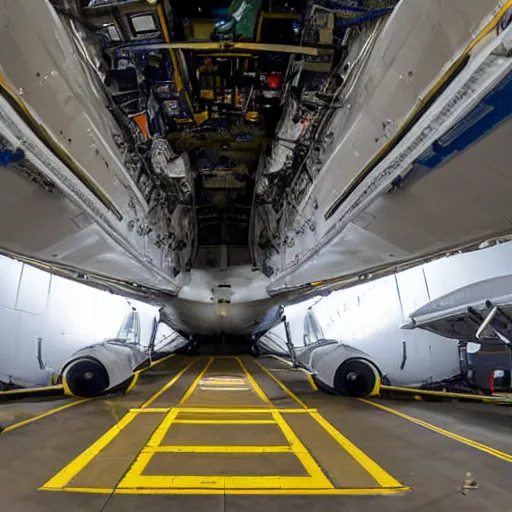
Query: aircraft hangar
{"points": [[256, 255]]}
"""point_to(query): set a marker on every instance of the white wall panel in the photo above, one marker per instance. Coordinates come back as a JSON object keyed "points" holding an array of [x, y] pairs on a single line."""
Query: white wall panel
{"points": [[412, 290], [71, 312], [10, 273], [33, 292], [24, 360], [9, 325], [447, 274], [109, 313]]}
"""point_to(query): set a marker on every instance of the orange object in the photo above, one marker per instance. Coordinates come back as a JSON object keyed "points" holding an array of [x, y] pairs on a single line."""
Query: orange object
{"points": [[142, 122]]}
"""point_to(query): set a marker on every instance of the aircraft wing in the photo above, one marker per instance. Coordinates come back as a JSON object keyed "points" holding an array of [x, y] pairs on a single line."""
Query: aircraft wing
{"points": [[142, 169], [439, 181], [461, 313]]}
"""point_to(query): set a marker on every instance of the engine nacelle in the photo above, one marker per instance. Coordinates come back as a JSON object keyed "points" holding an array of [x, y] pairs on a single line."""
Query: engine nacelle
{"points": [[357, 378], [99, 368], [344, 369]]}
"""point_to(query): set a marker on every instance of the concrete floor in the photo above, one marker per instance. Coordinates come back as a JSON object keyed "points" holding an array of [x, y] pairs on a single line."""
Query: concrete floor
{"points": [[222, 428]]}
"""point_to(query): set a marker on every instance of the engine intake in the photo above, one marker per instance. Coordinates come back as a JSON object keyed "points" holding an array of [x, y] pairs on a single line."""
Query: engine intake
{"points": [[100, 368], [86, 377], [357, 378]]}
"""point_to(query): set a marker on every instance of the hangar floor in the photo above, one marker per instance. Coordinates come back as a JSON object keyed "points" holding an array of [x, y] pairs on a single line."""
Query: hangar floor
{"points": [[239, 434]]}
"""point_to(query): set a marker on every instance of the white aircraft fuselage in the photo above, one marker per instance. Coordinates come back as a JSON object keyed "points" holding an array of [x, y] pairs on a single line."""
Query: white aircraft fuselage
{"points": [[146, 162]]}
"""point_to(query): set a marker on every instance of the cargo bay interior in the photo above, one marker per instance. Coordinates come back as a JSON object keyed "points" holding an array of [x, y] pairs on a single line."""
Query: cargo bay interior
{"points": [[390, 388]]}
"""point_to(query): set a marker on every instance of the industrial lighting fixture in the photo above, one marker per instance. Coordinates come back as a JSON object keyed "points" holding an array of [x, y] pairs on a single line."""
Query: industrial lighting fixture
{"points": [[152, 2]]}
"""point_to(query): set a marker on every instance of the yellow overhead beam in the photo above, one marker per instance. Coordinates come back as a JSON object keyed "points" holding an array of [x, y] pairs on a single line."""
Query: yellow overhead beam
{"points": [[230, 45]]}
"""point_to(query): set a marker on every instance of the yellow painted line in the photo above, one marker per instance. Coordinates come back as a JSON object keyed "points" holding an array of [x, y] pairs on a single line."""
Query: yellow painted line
{"points": [[223, 410], [262, 410], [85, 490], [311, 381], [253, 383], [221, 449], [219, 482], [136, 375], [282, 386], [178, 78], [226, 422], [469, 442], [133, 475], [23, 391], [133, 382], [159, 433], [63, 477], [167, 386], [441, 82], [177, 74], [43, 415], [296, 492], [160, 410], [303, 454], [224, 55], [157, 362], [447, 394], [194, 385], [380, 475], [289, 364]]}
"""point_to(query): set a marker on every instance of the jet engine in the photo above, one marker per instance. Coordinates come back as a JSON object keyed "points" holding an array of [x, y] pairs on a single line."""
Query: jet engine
{"points": [[341, 368], [99, 368], [357, 377]]}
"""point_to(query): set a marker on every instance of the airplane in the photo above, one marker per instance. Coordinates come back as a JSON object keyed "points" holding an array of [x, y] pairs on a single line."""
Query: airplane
{"points": [[400, 329], [220, 161]]}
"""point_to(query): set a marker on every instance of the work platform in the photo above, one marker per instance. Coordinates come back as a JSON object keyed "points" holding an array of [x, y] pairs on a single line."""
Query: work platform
{"points": [[229, 433]]}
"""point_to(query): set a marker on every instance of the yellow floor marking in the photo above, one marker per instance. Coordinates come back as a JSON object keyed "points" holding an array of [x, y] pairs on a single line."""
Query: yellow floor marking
{"points": [[282, 386], [303, 454], [135, 482], [224, 410], [167, 386], [134, 381], [44, 415], [63, 477], [311, 381], [219, 482], [222, 449], [152, 409], [446, 394], [194, 385], [136, 375], [380, 475], [159, 434], [24, 391], [77, 402], [295, 492], [469, 442], [226, 422], [134, 478], [133, 475], [253, 383]]}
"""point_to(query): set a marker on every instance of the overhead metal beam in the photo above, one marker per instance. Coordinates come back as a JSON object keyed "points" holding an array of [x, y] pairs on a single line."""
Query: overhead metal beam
{"points": [[228, 46]]}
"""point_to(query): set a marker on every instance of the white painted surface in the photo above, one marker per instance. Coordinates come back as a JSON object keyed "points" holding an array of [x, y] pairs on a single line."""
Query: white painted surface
{"points": [[369, 316], [67, 315], [10, 272]]}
